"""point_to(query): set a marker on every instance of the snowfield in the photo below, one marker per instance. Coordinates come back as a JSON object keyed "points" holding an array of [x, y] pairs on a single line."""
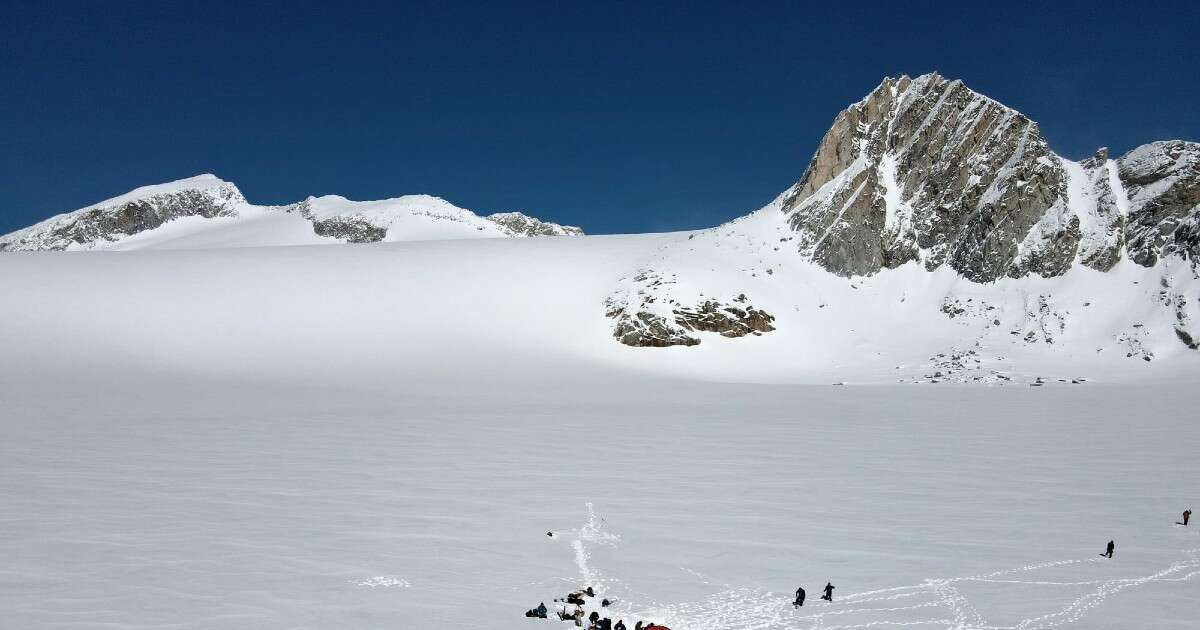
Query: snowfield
{"points": [[381, 436]]}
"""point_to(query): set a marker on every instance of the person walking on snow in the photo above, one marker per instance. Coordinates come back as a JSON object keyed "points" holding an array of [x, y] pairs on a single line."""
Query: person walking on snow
{"points": [[828, 596], [799, 597], [1109, 549], [1186, 515]]}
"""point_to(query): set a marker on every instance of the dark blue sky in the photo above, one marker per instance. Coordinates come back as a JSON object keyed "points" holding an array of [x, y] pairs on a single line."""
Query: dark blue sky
{"points": [[619, 117]]}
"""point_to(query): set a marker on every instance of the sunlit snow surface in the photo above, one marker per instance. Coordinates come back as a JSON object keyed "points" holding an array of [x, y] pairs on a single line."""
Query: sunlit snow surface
{"points": [[382, 436], [213, 505]]}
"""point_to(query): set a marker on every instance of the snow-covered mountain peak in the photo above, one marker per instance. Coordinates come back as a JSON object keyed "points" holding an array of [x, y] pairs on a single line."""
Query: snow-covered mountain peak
{"points": [[198, 183], [139, 210]]}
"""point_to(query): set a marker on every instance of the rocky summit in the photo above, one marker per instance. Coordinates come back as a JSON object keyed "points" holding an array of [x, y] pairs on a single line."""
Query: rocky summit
{"points": [[928, 170]]}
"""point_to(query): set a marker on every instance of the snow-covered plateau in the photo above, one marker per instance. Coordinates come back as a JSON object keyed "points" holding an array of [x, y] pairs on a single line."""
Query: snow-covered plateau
{"points": [[941, 372]]}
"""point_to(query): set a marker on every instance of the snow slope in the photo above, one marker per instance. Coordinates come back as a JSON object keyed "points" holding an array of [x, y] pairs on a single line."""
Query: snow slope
{"points": [[909, 324], [373, 309]]}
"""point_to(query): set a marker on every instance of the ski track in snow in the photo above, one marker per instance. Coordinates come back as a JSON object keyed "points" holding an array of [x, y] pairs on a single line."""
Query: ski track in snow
{"points": [[938, 602], [382, 581]]}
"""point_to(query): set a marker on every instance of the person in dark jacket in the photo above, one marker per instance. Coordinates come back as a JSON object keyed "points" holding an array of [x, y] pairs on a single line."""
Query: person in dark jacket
{"points": [[1186, 515], [828, 596], [1109, 549], [620, 625], [799, 597], [575, 615]]}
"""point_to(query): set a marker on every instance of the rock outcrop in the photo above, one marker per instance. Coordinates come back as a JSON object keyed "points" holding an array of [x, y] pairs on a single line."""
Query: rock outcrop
{"points": [[520, 224], [646, 329], [350, 229], [645, 315]]}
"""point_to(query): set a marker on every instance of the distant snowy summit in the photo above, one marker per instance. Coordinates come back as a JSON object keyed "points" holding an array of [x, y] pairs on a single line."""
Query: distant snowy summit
{"points": [[207, 212]]}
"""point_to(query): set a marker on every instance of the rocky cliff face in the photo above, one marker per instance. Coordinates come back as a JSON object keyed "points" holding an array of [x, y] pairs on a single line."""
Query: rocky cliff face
{"points": [[1161, 182], [927, 170]]}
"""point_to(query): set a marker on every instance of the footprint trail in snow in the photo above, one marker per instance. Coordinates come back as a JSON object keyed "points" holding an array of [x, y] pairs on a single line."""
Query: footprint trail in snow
{"points": [[935, 604]]}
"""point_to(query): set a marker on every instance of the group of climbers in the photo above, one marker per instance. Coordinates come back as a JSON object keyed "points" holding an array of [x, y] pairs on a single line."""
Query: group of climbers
{"points": [[594, 621]]}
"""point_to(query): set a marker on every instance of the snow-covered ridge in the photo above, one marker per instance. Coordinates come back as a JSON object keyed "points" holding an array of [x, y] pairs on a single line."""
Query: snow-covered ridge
{"points": [[200, 183], [205, 212]]}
